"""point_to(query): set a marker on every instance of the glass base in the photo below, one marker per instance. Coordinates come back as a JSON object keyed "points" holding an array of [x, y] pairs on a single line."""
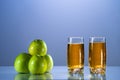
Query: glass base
{"points": [[98, 71], [76, 71]]}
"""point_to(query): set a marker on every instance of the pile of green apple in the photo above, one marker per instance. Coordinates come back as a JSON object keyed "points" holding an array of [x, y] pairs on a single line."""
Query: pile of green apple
{"points": [[36, 61]]}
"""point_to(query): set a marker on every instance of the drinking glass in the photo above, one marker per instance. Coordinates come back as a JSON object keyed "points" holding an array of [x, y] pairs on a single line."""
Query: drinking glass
{"points": [[97, 55], [75, 54]]}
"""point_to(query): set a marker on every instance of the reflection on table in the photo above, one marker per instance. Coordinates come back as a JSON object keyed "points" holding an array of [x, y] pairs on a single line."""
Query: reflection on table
{"points": [[90, 77], [76, 76], [97, 76], [46, 76], [61, 73]]}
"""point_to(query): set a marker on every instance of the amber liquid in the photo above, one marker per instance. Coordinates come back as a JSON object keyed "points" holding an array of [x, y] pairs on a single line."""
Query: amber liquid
{"points": [[75, 57], [97, 57]]}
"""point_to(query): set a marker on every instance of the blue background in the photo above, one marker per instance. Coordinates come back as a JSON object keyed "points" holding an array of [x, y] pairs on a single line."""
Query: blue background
{"points": [[22, 21]]}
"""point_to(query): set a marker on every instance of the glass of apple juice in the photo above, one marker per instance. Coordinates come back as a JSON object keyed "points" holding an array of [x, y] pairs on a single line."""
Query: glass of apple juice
{"points": [[75, 55]]}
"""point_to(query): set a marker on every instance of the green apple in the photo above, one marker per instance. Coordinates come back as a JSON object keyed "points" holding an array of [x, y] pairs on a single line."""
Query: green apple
{"points": [[21, 63], [37, 65], [49, 62], [37, 47]]}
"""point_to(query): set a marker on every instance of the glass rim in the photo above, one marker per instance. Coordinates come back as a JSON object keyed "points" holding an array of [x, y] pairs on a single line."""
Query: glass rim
{"points": [[97, 37], [71, 40], [76, 37]]}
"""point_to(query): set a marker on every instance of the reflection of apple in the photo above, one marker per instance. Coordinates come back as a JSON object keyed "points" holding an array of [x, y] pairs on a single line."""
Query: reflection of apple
{"points": [[22, 77], [37, 47], [37, 77], [21, 63], [49, 62], [37, 65], [46, 76]]}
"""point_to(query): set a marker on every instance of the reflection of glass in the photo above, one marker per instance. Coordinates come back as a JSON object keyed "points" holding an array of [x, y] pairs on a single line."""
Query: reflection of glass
{"points": [[97, 55], [46, 76], [75, 54], [76, 76], [97, 76]]}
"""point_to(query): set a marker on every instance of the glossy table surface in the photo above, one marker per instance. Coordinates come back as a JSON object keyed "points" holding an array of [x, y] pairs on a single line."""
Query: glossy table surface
{"points": [[59, 72]]}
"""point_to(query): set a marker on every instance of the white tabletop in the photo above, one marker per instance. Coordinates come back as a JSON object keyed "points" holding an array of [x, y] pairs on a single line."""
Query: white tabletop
{"points": [[59, 72]]}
